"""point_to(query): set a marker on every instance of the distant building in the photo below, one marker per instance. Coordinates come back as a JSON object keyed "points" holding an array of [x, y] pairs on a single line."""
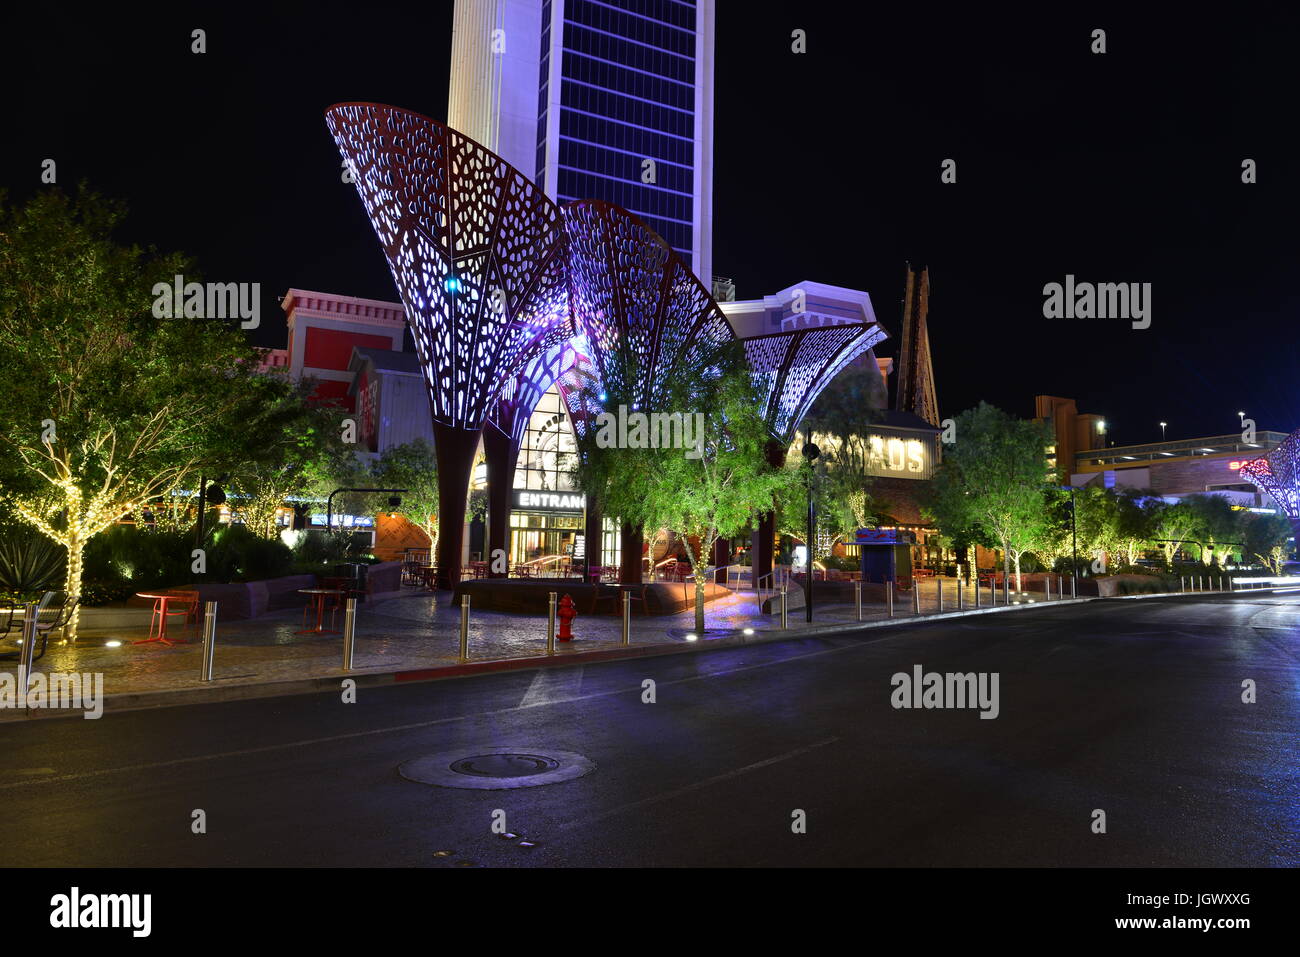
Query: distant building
{"points": [[388, 394], [1170, 469], [324, 329]]}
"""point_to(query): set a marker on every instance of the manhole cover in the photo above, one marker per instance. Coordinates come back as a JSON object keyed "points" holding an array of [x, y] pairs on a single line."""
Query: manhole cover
{"points": [[494, 769], [509, 765]]}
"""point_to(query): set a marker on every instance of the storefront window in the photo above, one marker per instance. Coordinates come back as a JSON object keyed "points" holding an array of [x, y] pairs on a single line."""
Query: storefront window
{"points": [[547, 451]]}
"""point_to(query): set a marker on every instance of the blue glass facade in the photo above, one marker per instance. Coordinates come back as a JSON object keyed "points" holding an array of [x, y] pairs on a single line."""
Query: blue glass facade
{"points": [[627, 94]]}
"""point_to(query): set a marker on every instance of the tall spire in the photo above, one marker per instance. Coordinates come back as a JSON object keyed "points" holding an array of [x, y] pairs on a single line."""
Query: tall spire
{"points": [[915, 374]]}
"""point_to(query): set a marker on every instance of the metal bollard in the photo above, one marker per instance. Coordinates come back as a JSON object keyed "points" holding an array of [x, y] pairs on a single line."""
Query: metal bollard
{"points": [[349, 632], [1047, 588], [1182, 583], [464, 627], [785, 622], [627, 618], [25, 656], [961, 600], [1074, 588], [889, 595], [977, 591], [938, 584], [857, 597], [209, 640], [916, 595], [550, 624], [1060, 586], [1007, 590]]}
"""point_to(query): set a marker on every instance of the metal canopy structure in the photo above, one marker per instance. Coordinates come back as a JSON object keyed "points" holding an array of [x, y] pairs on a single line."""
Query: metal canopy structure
{"points": [[792, 367], [508, 294], [476, 251], [1278, 474], [475, 248], [645, 314]]}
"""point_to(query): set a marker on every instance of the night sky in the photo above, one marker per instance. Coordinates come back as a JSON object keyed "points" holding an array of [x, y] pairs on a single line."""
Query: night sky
{"points": [[1122, 167]]}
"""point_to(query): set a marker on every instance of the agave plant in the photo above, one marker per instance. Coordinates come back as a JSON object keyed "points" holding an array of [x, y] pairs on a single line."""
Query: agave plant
{"points": [[29, 562]]}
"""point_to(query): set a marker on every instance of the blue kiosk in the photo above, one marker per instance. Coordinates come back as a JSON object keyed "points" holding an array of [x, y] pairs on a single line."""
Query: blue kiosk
{"points": [[886, 553]]}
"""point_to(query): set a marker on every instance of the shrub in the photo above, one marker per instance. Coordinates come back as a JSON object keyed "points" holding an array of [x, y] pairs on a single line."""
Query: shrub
{"points": [[1151, 585], [237, 554], [142, 557], [95, 593], [29, 562]]}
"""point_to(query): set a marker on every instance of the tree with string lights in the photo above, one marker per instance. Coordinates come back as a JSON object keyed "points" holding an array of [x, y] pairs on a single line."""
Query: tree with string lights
{"points": [[107, 406]]}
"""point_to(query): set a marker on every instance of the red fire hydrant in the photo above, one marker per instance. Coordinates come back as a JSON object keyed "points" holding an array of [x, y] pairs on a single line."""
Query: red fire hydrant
{"points": [[566, 615]]}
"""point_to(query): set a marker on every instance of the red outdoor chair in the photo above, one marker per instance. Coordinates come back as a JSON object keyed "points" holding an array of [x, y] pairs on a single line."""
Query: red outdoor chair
{"points": [[183, 604]]}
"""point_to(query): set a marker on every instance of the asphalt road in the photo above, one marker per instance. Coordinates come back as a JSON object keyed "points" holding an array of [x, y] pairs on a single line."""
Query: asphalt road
{"points": [[1132, 708]]}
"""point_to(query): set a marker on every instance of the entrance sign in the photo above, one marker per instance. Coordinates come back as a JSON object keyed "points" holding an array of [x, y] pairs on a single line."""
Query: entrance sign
{"points": [[550, 501]]}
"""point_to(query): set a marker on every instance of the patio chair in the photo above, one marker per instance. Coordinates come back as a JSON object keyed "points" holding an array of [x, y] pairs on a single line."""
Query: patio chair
{"points": [[184, 601], [11, 628], [11, 631], [181, 603], [56, 615]]}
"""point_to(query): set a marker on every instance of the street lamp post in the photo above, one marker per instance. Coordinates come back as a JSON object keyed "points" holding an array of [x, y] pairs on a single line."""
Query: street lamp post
{"points": [[208, 494], [329, 502], [810, 452], [1074, 542], [1162, 430]]}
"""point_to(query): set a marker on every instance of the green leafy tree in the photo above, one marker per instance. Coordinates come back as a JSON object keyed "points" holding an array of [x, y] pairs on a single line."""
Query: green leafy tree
{"points": [[1135, 524], [698, 494], [842, 417], [1217, 526], [715, 495], [106, 406], [414, 467], [993, 478], [1056, 539], [832, 501], [1172, 526], [1265, 536], [297, 434]]}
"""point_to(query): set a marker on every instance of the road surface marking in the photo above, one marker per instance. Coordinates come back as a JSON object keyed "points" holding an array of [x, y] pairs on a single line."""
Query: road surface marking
{"points": [[353, 735], [698, 785], [552, 684]]}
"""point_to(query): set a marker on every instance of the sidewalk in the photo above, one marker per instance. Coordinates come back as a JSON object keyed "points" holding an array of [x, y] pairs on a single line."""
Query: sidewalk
{"points": [[416, 637]]}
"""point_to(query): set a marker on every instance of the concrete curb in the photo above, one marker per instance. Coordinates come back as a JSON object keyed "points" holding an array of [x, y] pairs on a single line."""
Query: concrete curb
{"points": [[218, 692]]}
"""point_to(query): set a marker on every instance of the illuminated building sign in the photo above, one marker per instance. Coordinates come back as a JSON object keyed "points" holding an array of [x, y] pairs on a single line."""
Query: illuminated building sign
{"points": [[883, 536], [550, 501], [897, 457]]}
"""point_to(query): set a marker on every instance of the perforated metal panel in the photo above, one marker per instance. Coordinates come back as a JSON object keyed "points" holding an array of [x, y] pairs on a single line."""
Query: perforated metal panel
{"points": [[474, 247]]}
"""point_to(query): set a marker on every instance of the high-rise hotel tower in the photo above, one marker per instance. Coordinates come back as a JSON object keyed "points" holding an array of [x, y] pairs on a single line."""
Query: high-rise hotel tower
{"points": [[597, 99]]}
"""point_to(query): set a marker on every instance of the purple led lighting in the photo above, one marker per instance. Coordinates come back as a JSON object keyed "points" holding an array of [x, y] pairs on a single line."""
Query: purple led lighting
{"points": [[475, 248], [641, 307], [1278, 474], [791, 368]]}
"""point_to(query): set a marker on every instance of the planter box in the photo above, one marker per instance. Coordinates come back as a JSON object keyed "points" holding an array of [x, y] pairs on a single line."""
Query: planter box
{"points": [[529, 596]]}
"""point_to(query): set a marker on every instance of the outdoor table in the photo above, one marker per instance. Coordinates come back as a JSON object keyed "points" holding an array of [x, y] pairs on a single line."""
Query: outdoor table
{"points": [[319, 595], [160, 609]]}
